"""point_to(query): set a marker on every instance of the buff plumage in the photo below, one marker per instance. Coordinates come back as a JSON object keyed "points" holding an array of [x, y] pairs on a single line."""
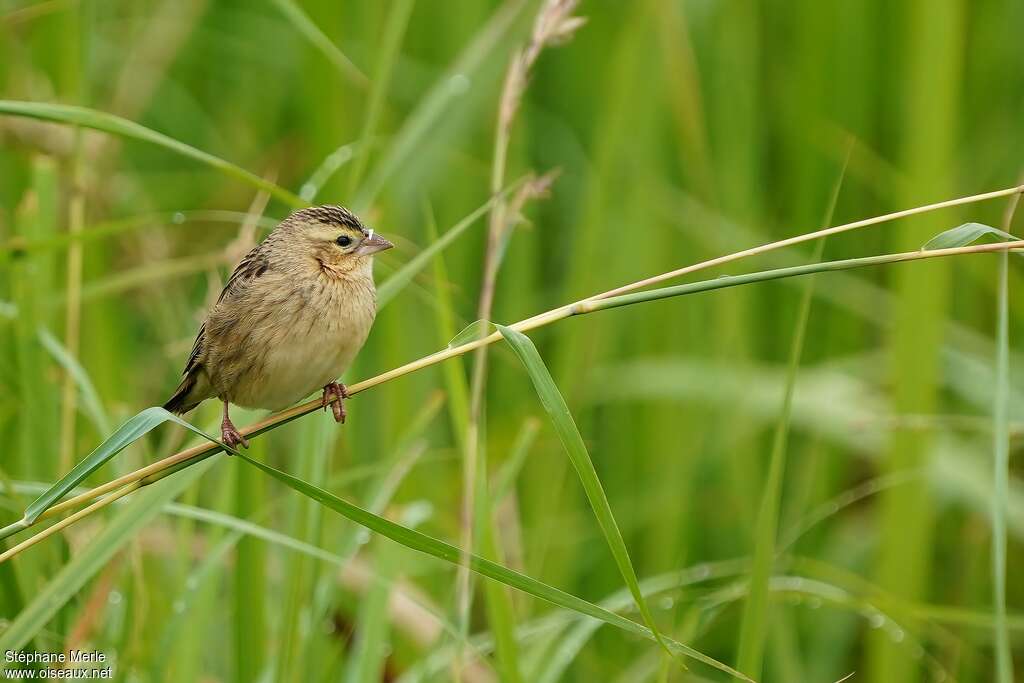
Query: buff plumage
{"points": [[290, 320]]}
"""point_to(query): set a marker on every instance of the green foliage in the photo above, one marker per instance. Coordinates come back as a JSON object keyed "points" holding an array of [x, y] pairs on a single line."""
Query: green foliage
{"points": [[124, 436], [888, 533], [431, 546]]}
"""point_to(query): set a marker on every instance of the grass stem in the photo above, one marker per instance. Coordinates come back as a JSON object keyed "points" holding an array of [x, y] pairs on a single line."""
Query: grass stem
{"points": [[199, 452]]}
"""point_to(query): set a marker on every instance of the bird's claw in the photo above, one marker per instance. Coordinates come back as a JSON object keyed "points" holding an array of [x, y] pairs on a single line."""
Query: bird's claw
{"points": [[337, 391], [231, 436]]}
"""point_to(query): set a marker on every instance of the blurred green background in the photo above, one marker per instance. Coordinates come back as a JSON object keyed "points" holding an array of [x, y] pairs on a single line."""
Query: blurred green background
{"points": [[683, 130]]}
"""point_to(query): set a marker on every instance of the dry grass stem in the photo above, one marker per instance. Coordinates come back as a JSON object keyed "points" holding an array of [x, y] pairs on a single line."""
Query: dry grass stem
{"points": [[554, 24]]}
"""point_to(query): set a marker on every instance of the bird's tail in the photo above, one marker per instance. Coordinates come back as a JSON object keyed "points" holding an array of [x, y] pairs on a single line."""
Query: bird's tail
{"points": [[186, 397]]}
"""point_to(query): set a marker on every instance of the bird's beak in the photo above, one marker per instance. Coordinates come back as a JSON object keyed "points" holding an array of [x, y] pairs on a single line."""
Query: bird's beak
{"points": [[373, 244]]}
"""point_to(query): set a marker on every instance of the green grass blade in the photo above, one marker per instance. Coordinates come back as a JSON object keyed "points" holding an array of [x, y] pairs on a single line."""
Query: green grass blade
{"points": [[499, 606], [131, 431], [471, 333], [112, 228], [428, 545], [1001, 464], [423, 120], [109, 123], [10, 589], [76, 573], [506, 477], [390, 46], [572, 441], [369, 651], [311, 32], [727, 281], [394, 284], [965, 234], [92, 406], [455, 379], [754, 624]]}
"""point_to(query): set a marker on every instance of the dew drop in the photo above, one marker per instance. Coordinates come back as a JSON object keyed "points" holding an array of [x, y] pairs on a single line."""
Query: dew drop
{"points": [[178, 218], [876, 620], [115, 597], [179, 606], [666, 602]]}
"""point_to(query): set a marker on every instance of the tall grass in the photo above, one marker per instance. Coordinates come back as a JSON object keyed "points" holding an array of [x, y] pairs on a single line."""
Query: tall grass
{"points": [[684, 131]]}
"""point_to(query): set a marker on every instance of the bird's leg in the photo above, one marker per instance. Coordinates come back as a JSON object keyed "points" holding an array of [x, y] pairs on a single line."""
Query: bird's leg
{"points": [[229, 434], [338, 391]]}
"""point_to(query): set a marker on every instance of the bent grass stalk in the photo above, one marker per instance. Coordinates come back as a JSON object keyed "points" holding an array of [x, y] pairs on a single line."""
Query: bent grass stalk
{"points": [[190, 456], [806, 237]]}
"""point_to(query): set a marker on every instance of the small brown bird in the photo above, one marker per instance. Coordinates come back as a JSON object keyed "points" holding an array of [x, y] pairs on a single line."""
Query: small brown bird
{"points": [[291, 318]]}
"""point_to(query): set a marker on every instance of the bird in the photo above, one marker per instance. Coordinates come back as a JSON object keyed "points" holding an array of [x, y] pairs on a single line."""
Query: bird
{"points": [[293, 315]]}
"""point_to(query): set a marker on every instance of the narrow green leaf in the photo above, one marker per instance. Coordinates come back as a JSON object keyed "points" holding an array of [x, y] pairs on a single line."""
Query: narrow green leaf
{"points": [[428, 545], [572, 441], [756, 609], [414, 134], [394, 284], [131, 431], [509, 472], [91, 404], [109, 123], [389, 48], [10, 589], [471, 333], [311, 32], [726, 281], [965, 234], [370, 649]]}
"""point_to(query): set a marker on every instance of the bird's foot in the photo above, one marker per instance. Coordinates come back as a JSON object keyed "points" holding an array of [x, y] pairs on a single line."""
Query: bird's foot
{"points": [[230, 435], [336, 390]]}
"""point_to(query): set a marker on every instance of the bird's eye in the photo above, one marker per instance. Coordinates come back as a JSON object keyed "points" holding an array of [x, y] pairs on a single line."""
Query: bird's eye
{"points": [[343, 240]]}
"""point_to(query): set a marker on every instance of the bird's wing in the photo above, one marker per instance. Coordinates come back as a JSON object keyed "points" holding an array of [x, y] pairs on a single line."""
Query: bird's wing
{"points": [[252, 265], [197, 349]]}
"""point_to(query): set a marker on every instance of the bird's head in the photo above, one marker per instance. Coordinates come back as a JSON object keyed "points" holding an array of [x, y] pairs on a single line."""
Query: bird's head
{"points": [[335, 237]]}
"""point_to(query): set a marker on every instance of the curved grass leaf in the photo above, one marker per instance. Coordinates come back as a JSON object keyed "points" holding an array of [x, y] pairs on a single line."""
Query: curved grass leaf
{"points": [[414, 540], [572, 441], [109, 123], [965, 234], [471, 333], [128, 433]]}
